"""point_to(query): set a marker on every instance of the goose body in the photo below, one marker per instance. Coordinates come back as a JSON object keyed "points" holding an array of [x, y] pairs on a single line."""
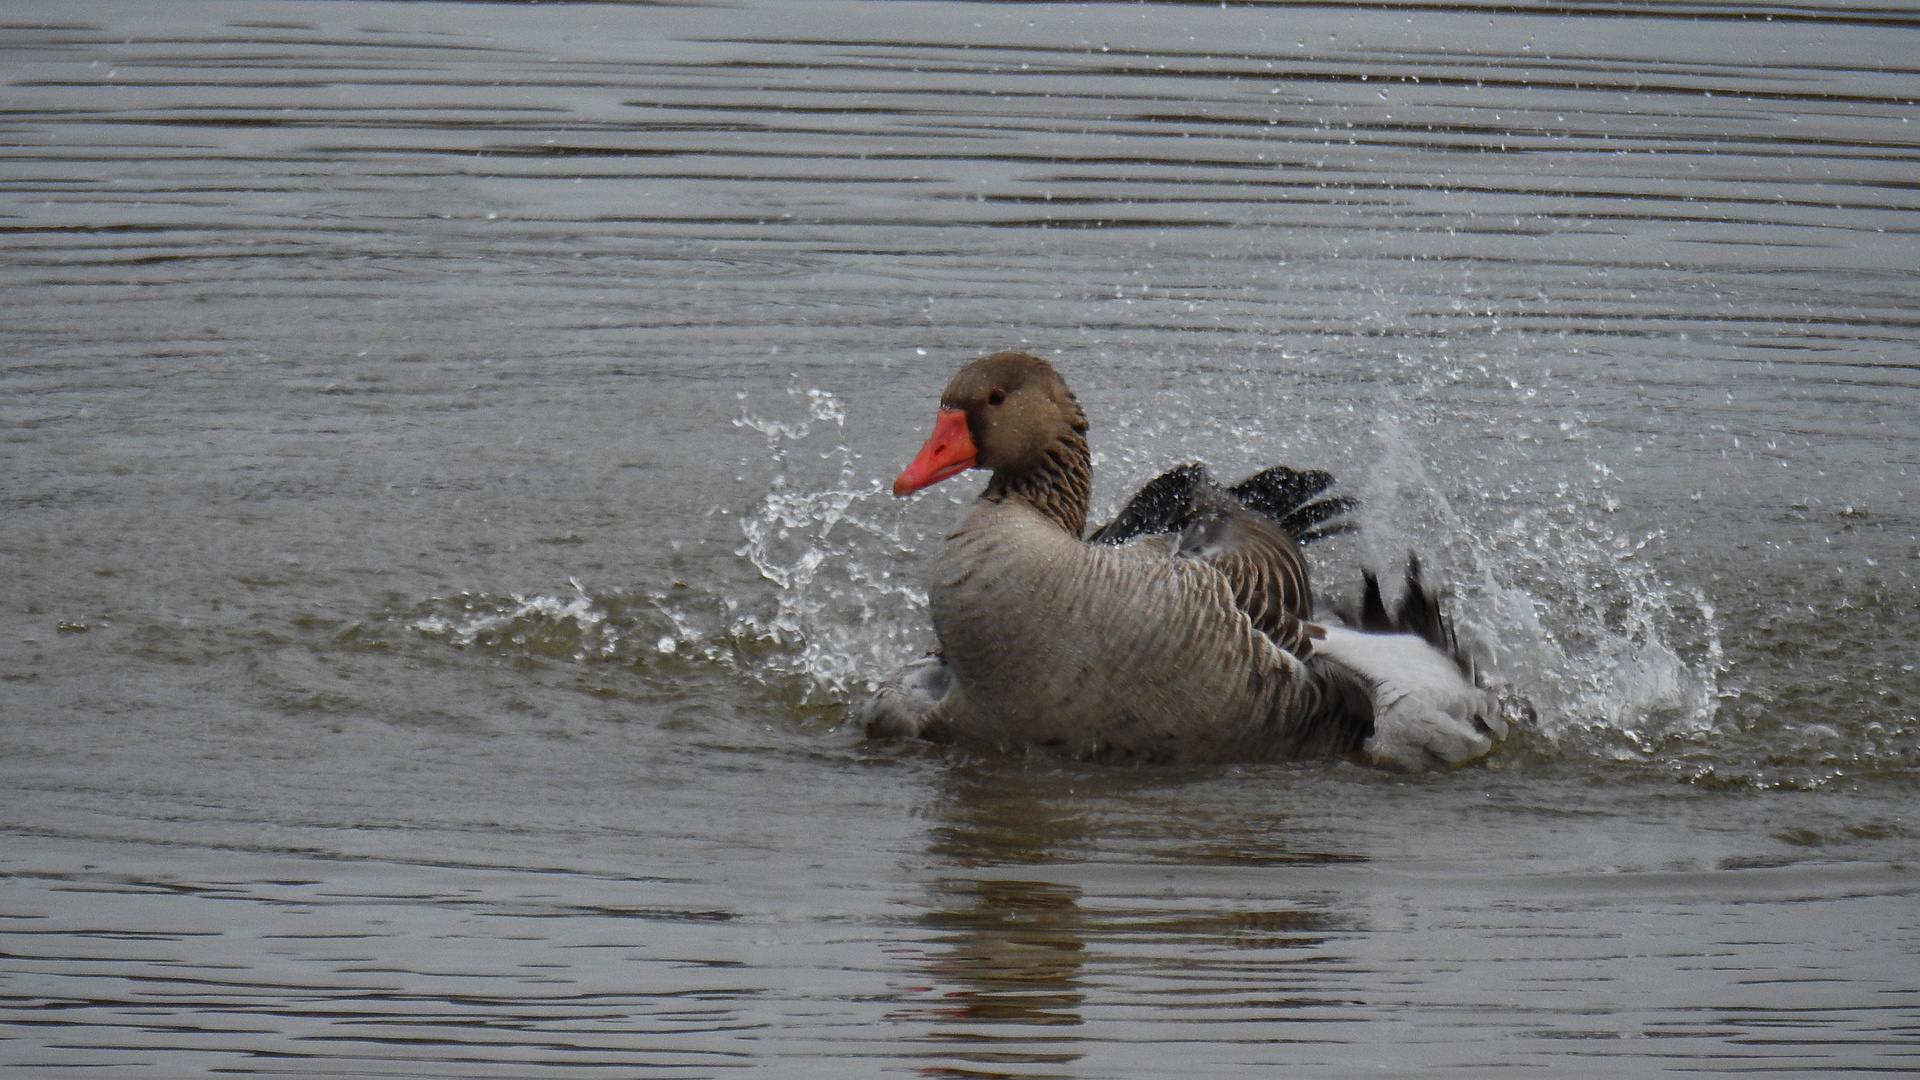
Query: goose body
{"points": [[1178, 632]]}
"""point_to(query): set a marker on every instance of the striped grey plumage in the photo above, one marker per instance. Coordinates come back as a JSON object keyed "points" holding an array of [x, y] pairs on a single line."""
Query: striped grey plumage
{"points": [[1262, 566], [1139, 654]]}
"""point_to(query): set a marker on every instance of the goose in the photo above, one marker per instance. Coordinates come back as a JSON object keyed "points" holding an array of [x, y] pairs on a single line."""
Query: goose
{"points": [[1183, 630]]}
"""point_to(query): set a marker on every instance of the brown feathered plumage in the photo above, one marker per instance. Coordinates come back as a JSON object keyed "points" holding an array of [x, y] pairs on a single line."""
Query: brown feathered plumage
{"points": [[1179, 631]]}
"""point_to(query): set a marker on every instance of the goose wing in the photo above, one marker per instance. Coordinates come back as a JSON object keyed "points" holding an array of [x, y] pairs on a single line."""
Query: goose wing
{"points": [[1250, 532], [1262, 565], [1290, 498]]}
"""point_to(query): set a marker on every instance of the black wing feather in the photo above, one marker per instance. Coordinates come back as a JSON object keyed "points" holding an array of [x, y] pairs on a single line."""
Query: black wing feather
{"points": [[1164, 505], [1417, 613], [1288, 497]]}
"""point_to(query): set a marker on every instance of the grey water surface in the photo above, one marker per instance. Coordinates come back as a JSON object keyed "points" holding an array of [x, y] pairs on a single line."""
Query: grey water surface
{"points": [[443, 522]]}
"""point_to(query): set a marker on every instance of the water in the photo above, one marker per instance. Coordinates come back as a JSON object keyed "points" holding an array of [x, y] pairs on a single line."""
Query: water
{"points": [[444, 523]]}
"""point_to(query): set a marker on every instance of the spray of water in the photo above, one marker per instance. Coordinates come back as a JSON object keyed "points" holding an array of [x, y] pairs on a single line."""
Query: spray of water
{"points": [[1563, 613], [837, 609], [841, 566]]}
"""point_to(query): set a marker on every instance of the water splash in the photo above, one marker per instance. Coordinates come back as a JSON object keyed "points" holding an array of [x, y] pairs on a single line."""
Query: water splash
{"points": [[1579, 633], [577, 628], [845, 598], [840, 606]]}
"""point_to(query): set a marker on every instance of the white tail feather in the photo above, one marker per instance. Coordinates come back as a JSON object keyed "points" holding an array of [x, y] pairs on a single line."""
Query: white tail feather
{"points": [[1426, 714]]}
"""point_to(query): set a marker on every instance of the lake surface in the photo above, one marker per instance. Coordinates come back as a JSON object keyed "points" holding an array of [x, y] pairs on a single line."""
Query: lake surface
{"points": [[443, 453]]}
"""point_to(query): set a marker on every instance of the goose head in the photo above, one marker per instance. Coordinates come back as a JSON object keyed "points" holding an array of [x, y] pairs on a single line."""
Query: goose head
{"points": [[1009, 412]]}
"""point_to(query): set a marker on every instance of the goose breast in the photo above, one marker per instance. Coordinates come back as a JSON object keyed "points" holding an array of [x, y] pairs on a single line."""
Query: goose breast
{"points": [[1102, 651]]}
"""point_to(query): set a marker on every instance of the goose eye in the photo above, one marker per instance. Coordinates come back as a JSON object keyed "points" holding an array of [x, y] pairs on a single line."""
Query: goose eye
{"points": [[996, 397]]}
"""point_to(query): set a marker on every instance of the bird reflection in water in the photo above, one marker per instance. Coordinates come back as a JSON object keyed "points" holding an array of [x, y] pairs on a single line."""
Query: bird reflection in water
{"points": [[1012, 966], [1009, 948], [1033, 937], [1016, 951]]}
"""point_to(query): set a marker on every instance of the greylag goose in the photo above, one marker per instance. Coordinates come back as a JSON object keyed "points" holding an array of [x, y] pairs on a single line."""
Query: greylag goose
{"points": [[1181, 631]]}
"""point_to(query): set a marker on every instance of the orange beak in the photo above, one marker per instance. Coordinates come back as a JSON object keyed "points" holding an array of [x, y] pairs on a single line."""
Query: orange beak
{"points": [[949, 450]]}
